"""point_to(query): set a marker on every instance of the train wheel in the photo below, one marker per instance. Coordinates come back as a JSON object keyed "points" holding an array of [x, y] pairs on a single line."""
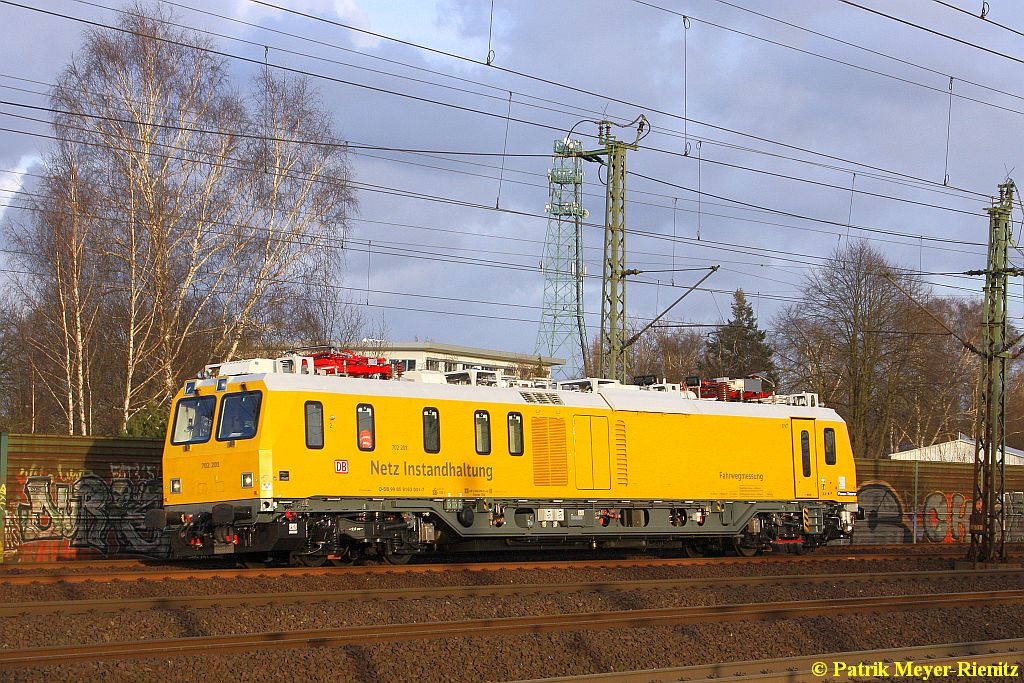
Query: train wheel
{"points": [[309, 560], [694, 549], [392, 557], [744, 550], [345, 559]]}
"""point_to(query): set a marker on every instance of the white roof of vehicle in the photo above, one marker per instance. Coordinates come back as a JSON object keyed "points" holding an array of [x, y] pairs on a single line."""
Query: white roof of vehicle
{"points": [[609, 397]]}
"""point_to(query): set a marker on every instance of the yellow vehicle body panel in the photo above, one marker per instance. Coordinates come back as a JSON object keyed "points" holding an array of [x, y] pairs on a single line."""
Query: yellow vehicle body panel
{"points": [[587, 448]]}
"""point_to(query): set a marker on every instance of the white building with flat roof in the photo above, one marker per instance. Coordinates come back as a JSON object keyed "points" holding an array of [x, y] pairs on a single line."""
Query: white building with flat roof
{"points": [[960, 449], [431, 355]]}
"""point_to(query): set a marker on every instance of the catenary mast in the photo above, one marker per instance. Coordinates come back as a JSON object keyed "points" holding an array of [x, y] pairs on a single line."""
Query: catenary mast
{"points": [[562, 330]]}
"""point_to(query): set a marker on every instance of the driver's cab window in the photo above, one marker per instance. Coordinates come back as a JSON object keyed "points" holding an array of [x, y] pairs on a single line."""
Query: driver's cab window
{"points": [[239, 416], [193, 420]]}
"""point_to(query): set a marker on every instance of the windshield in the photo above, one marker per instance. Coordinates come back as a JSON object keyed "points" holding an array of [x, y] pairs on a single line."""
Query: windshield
{"points": [[239, 416], [193, 420]]}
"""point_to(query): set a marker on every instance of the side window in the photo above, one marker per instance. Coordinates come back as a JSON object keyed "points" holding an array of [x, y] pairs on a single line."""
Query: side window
{"points": [[431, 430], [365, 434], [830, 446], [515, 434], [482, 423], [805, 452], [239, 416], [314, 424], [193, 420]]}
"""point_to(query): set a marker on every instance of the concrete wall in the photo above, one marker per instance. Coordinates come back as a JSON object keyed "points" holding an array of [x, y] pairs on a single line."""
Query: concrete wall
{"points": [[76, 497]]}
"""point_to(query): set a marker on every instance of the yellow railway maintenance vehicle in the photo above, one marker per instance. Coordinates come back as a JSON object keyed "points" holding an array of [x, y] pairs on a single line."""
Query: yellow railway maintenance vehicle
{"points": [[273, 458]]}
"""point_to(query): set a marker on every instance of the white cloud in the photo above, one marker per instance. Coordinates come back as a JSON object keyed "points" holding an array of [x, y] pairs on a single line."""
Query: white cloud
{"points": [[12, 180], [347, 11]]}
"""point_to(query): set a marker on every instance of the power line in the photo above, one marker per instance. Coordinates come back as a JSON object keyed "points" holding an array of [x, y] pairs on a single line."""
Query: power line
{"points": [[342, 145], [404, 252], [463, 233], [927, 185], [591, 93], [311, 74], [947, 240], [410, 194], [835, 60], [932, 31], [407, 193], [703, 243], [447, 258], [348, 146], [983, 17]]}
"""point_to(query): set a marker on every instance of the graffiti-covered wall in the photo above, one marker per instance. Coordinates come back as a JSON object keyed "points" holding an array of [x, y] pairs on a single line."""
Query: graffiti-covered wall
{"points": [[926, 502], [75, 497]]}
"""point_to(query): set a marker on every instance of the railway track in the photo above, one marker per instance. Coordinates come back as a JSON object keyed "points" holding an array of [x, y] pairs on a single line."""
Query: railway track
{"points": [[902, 550], [106, 606], [798, 669], [391, 633], [177, 572], [121, 563]]}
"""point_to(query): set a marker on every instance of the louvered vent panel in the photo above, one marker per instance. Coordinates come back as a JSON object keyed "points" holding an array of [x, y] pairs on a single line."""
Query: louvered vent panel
{"points": [[548, 397], [549, 452], [621, 466]]}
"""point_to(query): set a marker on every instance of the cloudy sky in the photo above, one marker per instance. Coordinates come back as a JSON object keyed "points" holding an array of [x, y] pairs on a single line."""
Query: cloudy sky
{"points": [[789, 106]]}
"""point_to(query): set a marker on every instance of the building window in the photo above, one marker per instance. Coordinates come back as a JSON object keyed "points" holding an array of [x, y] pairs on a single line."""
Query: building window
{"points": [[482, 422], [830, 446], [433, 364], [239, 416], [364, 427], [431, 430], [805, 452], [314, 424], [515, 434], [193, 420]]}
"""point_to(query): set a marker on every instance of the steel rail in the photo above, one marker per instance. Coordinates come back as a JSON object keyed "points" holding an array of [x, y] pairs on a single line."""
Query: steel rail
{"points": [[798, 669], [180, 573], [388, 633], [121, 563], [128, 560], [106, 606]]}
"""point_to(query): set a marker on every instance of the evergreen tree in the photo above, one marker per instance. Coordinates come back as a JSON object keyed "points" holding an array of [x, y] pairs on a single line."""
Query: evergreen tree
{"points": [[738, 348]]}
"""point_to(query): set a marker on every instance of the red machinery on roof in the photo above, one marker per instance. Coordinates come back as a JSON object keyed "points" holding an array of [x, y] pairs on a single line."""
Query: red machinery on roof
{"points": [[347, 363], [726, 389]]}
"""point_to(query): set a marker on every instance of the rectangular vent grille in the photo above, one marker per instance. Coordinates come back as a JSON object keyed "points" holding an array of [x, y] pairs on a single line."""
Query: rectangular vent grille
{"points": [[621, 467], [541, 397], [548, 446]]}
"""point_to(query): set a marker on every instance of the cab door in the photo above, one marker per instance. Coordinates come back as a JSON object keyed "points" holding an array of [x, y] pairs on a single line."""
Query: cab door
{"points": [[590, 441], [805, 459]]}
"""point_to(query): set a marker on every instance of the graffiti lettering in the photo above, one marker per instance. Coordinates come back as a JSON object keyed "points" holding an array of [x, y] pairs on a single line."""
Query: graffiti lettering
{"points": [[883, 516], [945, 518], [90, 512], [939, 518]]}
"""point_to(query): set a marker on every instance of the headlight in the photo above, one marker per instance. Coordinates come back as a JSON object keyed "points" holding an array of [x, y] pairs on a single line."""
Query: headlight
{"points": [[175, 485], [246, 480]]}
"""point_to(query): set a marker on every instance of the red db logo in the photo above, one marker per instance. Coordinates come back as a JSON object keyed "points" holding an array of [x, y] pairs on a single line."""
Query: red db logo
{"points": [[341, 466]]}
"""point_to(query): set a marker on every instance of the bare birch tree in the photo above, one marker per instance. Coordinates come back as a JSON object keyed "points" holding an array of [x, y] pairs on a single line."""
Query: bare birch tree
{"points": [[182, 217]]}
